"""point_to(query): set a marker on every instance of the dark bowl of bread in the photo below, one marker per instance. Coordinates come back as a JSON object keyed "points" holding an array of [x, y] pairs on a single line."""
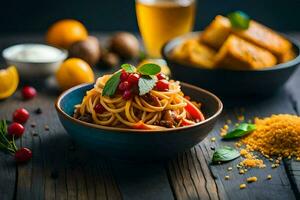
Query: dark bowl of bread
{"points": [[232, 61]]}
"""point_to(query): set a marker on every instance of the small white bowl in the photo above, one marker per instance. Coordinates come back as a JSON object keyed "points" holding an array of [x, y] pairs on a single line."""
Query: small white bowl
{"points": [[35, 65]]}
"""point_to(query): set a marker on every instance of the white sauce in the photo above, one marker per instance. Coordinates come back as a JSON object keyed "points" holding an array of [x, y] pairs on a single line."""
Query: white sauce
{"points": [[33, 53]]}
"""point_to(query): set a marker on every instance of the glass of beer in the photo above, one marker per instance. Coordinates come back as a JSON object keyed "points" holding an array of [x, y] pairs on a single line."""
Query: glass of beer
{"points": [[162, 20]]}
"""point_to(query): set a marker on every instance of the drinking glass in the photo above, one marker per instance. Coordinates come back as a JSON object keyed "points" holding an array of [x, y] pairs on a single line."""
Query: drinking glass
{"points": [[161, 20]]}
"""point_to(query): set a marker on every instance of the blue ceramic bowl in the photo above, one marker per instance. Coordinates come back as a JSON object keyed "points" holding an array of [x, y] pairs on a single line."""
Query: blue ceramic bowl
{"points": [[232, 83], [132, 144]]}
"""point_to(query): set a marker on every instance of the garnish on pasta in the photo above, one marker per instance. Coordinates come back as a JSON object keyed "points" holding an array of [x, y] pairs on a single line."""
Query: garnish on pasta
{"points": [[138, 98]]}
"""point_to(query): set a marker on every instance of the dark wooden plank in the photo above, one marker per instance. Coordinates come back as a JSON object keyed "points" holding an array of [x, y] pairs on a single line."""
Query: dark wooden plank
{"points": [[142, 180], [189, 183], [8, 177], [57, 170], [191, 176], [8, 172]]}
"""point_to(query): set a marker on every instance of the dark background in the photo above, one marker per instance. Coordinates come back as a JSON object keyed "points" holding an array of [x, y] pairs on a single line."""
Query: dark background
{"points": [[34, 16]]}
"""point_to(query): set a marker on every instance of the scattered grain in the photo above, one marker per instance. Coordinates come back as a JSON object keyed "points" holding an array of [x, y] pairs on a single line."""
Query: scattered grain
{"points": [[38, 111], [273, 166], [269, 134], [252, 179], [46, 127], [243, 186]]}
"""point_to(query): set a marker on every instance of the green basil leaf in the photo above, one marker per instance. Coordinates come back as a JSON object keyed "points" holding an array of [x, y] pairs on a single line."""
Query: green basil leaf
{"points": [[239, 20], [128, 68], [240, 130], [112, 85], [149, 69], [225, 154], [146, 83], [142, 55]]}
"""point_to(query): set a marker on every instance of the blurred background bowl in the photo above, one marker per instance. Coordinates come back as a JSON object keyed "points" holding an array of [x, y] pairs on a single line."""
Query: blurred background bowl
{"points": [[29, 70], [232, 83], [134, 144]]}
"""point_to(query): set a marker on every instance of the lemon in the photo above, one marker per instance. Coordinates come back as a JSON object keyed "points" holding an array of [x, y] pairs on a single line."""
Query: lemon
{"points": [[9, 80], [72, 72]]}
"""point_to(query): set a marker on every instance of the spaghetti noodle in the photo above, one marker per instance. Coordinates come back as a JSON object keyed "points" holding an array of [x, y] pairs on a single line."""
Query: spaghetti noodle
{"points": [[153, 110]]}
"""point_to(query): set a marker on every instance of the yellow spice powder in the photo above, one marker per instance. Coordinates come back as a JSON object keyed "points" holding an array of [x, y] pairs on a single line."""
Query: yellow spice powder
{"points": [[250, 160], [278, 135]]}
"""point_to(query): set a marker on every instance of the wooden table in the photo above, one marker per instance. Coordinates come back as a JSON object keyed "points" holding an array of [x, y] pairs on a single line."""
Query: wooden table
{"points": [[62, 170]]}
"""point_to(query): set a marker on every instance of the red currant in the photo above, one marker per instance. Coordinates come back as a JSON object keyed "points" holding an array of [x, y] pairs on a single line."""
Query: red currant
{"points": [[28, 92], [124, 76], [23, 155], [124, 86], [161, 76], [15, 129], [20, 115], [162, 85], [133, 79], [99, 108], [127, 94]]}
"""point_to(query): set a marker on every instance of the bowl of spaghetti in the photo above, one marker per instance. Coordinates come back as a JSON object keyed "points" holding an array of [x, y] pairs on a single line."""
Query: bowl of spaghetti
{"points": [[138, 113]]}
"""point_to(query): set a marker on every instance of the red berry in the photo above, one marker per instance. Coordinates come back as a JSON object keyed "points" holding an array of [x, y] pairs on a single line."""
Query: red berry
{"points": [[28, 92], [162, 85], [99, 108], [124, 86], [133, 79], [124, 76], [23, 155], [127, 94], [161, 76], [15, 129], [20, 115]]}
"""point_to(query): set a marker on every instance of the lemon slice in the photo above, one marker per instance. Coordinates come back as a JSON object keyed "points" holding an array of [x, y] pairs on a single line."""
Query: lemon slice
{"points": [[9, 80]]}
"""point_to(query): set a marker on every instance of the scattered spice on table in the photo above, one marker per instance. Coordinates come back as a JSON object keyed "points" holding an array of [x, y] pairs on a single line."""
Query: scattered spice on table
{"points": [[33, 124], [34, 133], [243, 186], [278, 136], [46, 128], [224, 129], [38, 111], [252, 179], [275, 137]]}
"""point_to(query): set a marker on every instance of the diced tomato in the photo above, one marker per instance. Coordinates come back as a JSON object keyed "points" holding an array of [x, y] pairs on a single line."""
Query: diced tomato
{"points": [[142, 125], [187, 97], [195, 113], [186, 122]]}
